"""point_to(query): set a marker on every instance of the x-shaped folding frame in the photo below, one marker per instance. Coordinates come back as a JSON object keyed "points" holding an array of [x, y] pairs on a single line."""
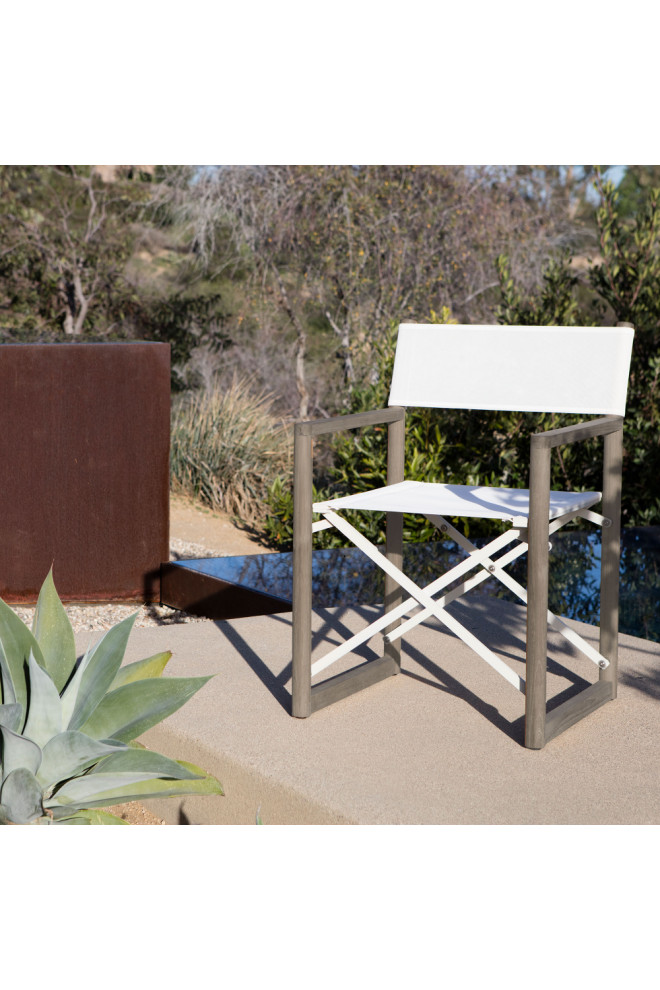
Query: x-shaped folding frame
{"points": [[540, 726]]}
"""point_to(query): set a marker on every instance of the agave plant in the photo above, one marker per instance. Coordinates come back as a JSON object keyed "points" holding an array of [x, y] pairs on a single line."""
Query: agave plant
{"points": [[68, 727]]}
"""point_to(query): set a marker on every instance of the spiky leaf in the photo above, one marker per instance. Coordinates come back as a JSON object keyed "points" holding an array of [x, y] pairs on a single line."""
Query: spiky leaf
{"points": [[44, 719], [11, 716], [52, 630], [92, 816], [199, 772], [69, 753], [70, 693], [143, 761], [72, 794], [142, 669], [100, 671], [8, 694], [129, 711], [99, 789], [16, 643], [21, 797], [18, 752]]}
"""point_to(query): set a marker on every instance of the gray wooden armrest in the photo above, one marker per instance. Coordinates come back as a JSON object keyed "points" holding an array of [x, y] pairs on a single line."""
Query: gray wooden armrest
{"points": [[580, 431], [315, 427]]}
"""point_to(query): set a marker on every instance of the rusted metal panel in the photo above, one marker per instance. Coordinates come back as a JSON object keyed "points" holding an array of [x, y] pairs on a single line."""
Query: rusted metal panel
{"points": [[84, 448]]}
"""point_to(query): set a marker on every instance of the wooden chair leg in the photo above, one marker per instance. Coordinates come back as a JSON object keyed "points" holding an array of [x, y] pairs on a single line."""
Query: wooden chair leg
{"points": [[301, 706], [537, 602], [610, 553]]}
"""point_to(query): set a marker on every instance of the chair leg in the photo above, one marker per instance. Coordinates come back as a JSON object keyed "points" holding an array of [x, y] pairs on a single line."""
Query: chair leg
{"points": [[610, 552], [302, 577], [537, 600]]}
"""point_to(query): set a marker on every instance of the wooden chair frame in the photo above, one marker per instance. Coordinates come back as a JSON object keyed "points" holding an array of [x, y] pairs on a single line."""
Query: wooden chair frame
{"points": [[540, 725]]}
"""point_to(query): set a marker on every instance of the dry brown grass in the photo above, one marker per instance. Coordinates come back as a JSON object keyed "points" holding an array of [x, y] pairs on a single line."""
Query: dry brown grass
{"points": [[227, 448]]}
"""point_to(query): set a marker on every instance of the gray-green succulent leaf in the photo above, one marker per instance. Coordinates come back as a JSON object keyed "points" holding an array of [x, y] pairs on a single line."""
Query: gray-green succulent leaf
{"points": [[70, 753], [44, 717], [131, 709], [74, 794], [11, 716], [141, 669], [6, 683], [100, 671], [18, 751], [91, 816], [16, 644], [21, 797], [144, 761], [68, 729], [52, 630]]}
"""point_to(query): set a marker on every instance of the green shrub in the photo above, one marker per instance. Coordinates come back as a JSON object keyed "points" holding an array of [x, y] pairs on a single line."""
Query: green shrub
{"points": [[623, 285], [492, 448], [227, 449]]}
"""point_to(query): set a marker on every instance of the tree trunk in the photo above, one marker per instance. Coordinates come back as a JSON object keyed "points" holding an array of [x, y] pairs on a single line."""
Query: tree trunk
{"points": [[301, 347], [344, 349]]}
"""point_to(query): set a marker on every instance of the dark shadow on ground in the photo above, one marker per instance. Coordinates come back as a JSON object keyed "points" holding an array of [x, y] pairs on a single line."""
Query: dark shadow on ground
{"points": [[647, 682], [274, 682], [503, 637]]}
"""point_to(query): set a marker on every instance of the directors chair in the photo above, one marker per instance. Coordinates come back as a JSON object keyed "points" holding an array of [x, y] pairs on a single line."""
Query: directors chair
{"points": [[581, 370]]}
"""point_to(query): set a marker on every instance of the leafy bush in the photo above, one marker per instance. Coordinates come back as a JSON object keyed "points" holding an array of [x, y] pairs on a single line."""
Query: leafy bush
{"points": [[68, 728], [479, 447], [181, 321], [227, 448], [623, 286]]}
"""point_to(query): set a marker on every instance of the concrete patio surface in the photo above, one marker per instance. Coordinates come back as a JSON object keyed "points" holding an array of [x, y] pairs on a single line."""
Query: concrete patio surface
{"points": [[439, 744]]}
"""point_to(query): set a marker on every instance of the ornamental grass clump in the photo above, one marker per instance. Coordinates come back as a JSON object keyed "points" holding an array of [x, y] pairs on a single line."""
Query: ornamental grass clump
{"points": [[227, 448], [68, 728]]}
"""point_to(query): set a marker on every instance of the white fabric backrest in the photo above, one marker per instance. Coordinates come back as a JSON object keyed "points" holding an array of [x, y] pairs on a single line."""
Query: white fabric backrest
{"points": [[524, 369]]}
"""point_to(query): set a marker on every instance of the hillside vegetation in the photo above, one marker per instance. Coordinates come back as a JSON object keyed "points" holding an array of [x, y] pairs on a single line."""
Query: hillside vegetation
{"points": [[278, 288]]}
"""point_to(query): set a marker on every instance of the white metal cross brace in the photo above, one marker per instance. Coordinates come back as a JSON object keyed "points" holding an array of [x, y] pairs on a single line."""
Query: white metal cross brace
{"points": [[495, 569], [489, 568], [428, 606], [423, 597], [397, 613]]}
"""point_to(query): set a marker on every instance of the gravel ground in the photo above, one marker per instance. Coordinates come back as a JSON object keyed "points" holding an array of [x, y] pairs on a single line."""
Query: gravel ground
{"points": [[101, 617]]}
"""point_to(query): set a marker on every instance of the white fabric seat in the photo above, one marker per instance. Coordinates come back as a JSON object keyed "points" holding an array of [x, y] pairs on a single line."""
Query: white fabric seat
{"points": [[426, 498]]}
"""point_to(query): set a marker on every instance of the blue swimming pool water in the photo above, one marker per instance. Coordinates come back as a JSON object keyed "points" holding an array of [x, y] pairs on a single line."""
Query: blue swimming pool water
{"points": [[342, 577]]}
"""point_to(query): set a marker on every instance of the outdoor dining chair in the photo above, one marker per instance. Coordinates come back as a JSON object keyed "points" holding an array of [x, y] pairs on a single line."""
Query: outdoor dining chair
{"points": [[578, 370]]}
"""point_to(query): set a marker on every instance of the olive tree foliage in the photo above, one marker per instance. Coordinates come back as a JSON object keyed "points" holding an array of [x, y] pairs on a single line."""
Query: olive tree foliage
{"points": [[635, 186], [621, 285], [563, 188], [65, 238], [330, 256], [69, 242]]}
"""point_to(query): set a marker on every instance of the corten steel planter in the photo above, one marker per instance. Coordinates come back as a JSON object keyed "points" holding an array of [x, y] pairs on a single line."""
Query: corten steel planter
{"points": [[84, 448]]}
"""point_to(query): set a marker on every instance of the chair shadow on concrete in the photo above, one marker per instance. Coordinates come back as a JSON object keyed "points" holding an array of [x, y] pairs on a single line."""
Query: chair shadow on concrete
{"points": [[648, 682], [332, 630], [505, 639], [443, 681], [274, 682]]}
